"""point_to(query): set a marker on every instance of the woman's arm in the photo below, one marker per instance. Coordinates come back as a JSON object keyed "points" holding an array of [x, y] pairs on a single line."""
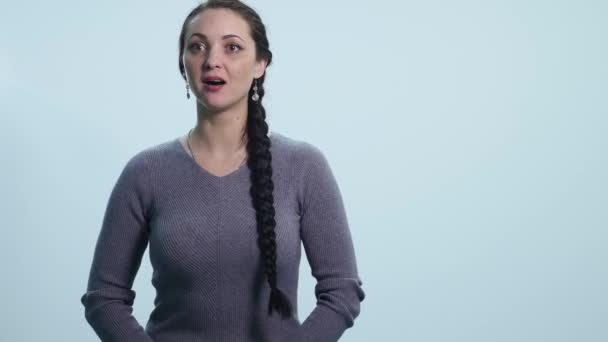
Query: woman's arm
{"points": [[329, 249], [121, 243]]}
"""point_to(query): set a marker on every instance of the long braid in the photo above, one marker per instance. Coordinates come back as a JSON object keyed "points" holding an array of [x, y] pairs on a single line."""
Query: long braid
{"points": [[262, 186], [258, 147]]}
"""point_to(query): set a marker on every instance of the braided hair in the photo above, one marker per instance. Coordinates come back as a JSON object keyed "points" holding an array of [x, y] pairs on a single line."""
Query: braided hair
{"points": [[258, 148]]}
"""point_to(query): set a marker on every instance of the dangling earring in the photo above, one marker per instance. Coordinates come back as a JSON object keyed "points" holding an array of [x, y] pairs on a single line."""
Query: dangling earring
{"points": [[255, 95], [187, 91]]}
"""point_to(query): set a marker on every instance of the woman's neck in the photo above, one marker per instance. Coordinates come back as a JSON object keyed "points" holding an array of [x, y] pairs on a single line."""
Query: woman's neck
{"points": [[221, 134]]}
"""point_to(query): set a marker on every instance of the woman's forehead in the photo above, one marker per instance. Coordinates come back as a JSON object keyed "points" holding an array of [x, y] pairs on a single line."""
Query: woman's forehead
{"points": [[217, 22]]}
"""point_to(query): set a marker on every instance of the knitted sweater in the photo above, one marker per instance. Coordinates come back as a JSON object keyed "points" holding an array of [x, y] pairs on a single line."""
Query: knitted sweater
{"points": [[207, 268]]}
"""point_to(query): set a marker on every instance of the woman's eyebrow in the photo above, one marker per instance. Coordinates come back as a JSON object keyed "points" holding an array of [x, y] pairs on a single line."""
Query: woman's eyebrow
{"points": [[223, 37]]}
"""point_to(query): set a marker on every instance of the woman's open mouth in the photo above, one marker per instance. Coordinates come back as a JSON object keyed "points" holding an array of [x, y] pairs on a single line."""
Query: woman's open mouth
{"points": [[213, 85]]}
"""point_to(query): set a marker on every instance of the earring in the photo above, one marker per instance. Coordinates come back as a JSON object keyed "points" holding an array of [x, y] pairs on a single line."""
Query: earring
{"points": [[187, 91], [255, 95]]}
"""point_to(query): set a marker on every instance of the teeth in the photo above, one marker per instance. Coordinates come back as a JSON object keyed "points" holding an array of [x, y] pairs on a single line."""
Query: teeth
{"points": [[215, 82]]}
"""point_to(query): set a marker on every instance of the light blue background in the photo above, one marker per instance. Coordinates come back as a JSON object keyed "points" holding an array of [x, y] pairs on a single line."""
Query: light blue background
{"points": [[468, 138]]}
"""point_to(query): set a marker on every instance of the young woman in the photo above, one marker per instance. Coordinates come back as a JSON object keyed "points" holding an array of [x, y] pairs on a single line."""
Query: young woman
{"points": [[225, 209]]}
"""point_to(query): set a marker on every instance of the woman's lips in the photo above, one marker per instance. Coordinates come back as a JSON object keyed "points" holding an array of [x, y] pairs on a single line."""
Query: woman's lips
{"points": [[212, 87]]}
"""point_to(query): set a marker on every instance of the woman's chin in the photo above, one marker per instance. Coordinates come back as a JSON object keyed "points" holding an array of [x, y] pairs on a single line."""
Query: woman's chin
{"points": [[218, 103], [214, 104]]}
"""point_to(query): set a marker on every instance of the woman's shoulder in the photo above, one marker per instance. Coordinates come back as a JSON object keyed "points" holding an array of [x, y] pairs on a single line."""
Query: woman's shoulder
{"points": [[303, 153], [295, 151], [297, 146], [151, 154], [279, 141]]}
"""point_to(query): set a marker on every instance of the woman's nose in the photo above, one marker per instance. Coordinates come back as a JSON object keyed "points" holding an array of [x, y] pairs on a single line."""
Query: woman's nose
{"points": [[210, 64], [212, 60]]}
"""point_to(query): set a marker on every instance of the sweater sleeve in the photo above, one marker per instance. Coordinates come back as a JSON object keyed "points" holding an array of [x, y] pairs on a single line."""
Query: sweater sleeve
{"points": [[329, 249], [117, 257]]}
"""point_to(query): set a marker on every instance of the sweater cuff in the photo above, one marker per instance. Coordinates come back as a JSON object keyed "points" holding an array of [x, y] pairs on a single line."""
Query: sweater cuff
{"points": [[322, 325]]}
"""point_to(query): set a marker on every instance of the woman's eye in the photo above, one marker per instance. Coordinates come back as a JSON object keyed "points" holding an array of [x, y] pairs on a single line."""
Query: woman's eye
{"points": [[200, 46], [231, 46], [193, 46]]}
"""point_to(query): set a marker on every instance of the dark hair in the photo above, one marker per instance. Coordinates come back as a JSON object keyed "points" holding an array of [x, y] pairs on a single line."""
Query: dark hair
{"points": [[258, 148]]}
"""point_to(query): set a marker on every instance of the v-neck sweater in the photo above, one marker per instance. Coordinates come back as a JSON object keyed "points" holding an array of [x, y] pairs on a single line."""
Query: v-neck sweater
{"points": [[207, 268]]}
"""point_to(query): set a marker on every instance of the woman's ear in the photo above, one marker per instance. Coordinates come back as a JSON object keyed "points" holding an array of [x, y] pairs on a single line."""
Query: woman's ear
{"points": [[260, 68]]}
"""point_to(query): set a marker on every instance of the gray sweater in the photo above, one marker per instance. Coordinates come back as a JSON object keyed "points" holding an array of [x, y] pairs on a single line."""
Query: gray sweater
{"points": [[207, 271]]}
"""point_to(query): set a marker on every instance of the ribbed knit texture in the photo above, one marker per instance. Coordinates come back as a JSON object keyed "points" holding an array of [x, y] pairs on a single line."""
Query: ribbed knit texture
{"points": [[207, 268]]}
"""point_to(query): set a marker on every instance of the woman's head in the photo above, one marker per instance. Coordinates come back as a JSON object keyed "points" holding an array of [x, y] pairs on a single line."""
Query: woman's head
{"points": [[216, 55], [223, 39]]}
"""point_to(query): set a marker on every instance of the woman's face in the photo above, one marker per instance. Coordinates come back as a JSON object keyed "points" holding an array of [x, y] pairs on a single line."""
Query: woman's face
{"points": [[218, 43]]}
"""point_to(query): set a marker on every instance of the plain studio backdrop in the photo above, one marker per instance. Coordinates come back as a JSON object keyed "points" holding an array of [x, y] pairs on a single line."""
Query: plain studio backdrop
{"points": [[469, 140]]}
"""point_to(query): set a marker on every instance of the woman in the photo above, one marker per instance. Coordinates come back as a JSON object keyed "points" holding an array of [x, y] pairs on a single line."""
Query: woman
{"points": [[224, 209]]}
